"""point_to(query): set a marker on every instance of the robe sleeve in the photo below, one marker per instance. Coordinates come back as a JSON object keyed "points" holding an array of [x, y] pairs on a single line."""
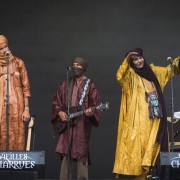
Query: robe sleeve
{"points": [[24, 78], [94, 100], [164, 73], [124, 73], [176, 66], [125, 77], [57, 105], [57, 102]]}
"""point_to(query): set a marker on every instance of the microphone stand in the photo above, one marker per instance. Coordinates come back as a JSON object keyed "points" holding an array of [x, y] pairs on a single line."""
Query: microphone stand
{"points": [[172, 108], [68, 121], [7, 103]]}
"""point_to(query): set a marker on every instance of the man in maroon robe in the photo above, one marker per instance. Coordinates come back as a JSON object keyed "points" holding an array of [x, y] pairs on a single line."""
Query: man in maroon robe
{"points": [[83, 94]]}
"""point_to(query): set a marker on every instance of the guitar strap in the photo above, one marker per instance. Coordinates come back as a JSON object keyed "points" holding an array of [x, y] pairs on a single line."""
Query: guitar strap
{"points": [[83, 94]]}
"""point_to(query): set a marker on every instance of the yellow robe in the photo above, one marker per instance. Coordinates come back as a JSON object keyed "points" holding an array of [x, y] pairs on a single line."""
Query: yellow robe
{"points": [[136, 147]]}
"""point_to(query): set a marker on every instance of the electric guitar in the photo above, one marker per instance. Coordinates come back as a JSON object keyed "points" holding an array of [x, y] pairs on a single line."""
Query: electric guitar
{"points": [[30, 126], [63, 125]]}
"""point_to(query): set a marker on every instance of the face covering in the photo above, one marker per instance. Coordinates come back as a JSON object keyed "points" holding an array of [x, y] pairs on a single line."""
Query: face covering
{"points": [[78, 72]]}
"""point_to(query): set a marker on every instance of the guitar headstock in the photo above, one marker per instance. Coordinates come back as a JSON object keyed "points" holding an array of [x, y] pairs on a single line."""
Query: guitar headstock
{"points": [[31, 122], [103, 107]]}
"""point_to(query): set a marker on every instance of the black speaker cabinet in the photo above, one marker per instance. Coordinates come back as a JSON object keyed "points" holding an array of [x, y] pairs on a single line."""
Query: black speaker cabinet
{"points": [[170, 166], [18, 175]]}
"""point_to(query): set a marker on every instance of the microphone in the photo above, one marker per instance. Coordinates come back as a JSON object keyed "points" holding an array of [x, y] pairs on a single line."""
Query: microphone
{"points": [[169, 59], [68, 68]]}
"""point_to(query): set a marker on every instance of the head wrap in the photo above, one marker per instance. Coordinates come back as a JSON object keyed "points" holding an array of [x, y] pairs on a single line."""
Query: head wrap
{"points": [[81, 61], [3, 57], [147, 73], [139, 52], [3, 39]]}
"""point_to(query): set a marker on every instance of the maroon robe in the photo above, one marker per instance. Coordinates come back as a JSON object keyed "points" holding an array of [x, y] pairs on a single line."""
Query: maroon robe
{"points": [[80, 132]]}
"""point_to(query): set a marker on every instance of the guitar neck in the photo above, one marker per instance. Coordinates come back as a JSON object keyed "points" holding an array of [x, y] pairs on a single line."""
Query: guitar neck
{"points": [[28, 140], [29, 133], [76, 114]]}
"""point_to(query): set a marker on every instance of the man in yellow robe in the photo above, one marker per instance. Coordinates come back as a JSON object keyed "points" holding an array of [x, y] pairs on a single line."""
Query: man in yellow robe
{"points": [[142, 129]]}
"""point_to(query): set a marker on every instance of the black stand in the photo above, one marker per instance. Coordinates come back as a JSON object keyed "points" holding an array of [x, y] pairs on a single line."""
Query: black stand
{"points": [[172, 108], [7, 102], [68, 121]]}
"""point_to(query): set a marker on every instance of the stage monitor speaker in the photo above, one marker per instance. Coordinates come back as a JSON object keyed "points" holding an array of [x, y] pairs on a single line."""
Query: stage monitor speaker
{"points": [[18, 175], [24, 163], [170, 166]]}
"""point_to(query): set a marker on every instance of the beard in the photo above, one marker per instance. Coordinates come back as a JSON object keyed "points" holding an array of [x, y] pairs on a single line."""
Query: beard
{"points": [[78, 72]]}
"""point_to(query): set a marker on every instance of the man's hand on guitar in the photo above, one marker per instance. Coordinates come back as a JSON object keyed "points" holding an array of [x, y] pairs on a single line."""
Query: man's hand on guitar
{"points": [[89, 112], [63, 116]]}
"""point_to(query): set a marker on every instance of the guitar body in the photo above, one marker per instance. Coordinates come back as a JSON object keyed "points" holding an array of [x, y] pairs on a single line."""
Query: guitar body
{"points": [[60, 126]]}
